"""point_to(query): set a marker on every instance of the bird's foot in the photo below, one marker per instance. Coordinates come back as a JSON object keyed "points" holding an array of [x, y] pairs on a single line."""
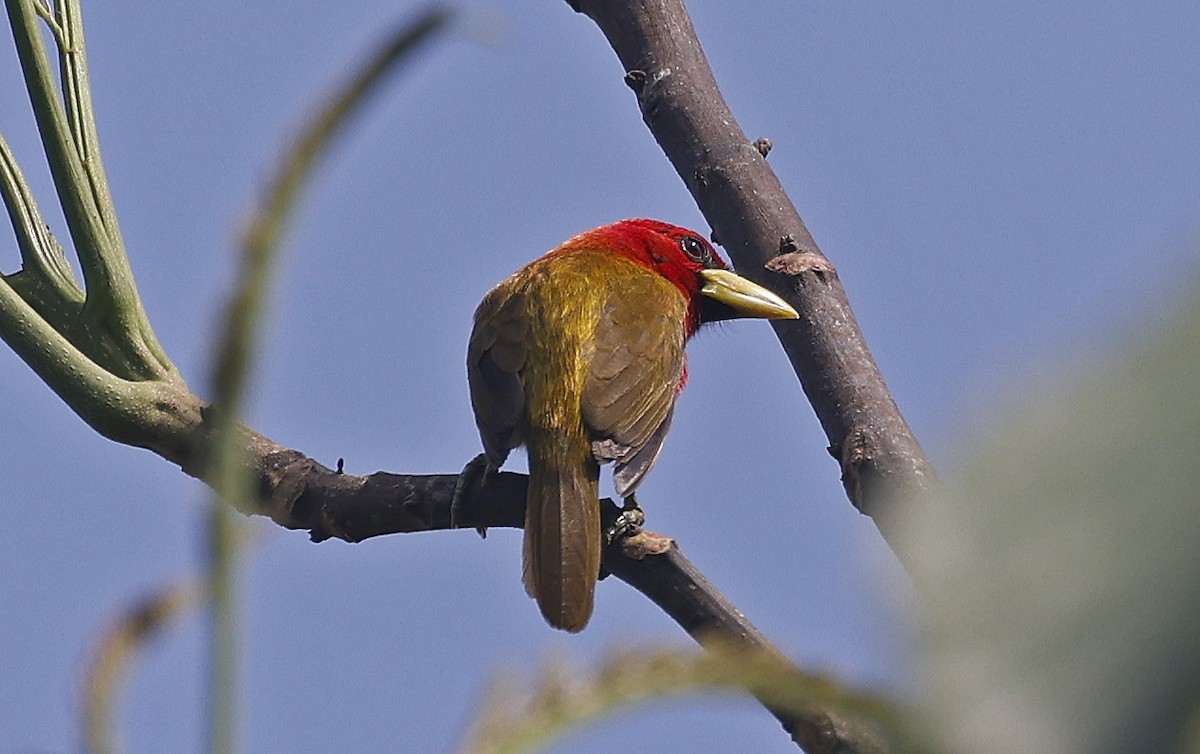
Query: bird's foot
{"points": [[474, 475], [628, 521]]}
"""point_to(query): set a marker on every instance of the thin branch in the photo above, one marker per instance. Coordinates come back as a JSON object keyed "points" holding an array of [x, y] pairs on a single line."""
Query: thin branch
{"points": [[46, 12], [41, 256], [883, 466]]}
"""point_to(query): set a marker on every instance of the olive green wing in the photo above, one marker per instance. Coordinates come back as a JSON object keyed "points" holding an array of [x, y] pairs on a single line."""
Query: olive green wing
{"points": [[637, 363]]}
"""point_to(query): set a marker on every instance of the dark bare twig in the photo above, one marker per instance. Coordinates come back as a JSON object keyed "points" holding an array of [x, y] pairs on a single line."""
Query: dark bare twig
{"points": [[883, 466]]}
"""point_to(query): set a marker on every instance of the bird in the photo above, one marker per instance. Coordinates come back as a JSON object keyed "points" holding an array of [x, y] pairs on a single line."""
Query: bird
{"points": [[579, 357]]}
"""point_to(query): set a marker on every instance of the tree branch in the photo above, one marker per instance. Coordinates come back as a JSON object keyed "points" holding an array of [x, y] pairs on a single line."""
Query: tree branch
{"points": [[300, 493], [883, 466]]}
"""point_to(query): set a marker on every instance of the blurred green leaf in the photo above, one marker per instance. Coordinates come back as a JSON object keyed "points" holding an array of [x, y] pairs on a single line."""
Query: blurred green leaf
{"points": [[240, 334], [1060, 577], [522, 717]]}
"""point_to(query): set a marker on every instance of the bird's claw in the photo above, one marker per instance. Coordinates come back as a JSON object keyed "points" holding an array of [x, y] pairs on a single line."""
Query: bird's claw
{"points": [[628, 521], [474, 475]]}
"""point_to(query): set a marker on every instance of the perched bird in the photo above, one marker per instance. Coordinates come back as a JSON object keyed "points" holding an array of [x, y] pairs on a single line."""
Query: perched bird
{"points": [[579, 357]]}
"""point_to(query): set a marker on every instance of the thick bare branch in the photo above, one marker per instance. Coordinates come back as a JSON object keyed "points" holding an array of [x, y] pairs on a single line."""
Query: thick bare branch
{"points": [[883, 466]]}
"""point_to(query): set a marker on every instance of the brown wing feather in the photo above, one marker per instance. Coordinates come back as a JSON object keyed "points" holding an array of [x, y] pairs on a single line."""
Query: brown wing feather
{"points": [[636, 366], [495, 357]]}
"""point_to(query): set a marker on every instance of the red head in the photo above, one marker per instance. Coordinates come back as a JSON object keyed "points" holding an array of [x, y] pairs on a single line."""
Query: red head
{"points": [[676, 253]]}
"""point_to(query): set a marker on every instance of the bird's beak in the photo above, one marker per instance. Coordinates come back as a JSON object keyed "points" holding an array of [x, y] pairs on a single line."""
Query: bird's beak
{"points": [[741, 298]]}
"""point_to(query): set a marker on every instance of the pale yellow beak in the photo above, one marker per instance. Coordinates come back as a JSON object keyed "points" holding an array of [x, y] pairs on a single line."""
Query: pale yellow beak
{"points": [[746, 299]]}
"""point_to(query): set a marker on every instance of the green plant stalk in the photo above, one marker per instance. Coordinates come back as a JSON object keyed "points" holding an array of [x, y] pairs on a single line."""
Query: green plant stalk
{"points": [[239, 342], [45, 280], [119, 409], [68, 134], [96, 349], [239, 338], [41, 255], [226, 617]]}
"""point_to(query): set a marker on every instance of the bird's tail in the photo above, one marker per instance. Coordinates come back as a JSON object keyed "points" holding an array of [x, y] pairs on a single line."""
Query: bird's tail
{"points": [[562, 531]]}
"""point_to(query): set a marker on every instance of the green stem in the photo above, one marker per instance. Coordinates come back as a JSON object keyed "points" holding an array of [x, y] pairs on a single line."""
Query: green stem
{"points": [[222, 573], [69, 138], [41, 256], [135, 413], [238, 344], [95, 348]]}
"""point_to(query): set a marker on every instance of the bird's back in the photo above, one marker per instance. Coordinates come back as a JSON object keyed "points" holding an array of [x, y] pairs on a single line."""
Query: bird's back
{"points": [[578, 356]]}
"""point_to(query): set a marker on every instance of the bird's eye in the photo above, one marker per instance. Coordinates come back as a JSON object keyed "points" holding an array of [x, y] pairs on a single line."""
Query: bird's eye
{"points": [[696, 250]]}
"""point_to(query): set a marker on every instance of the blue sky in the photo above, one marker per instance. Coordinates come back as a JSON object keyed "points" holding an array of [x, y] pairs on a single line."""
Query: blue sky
{"points": [[997, 185]]}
